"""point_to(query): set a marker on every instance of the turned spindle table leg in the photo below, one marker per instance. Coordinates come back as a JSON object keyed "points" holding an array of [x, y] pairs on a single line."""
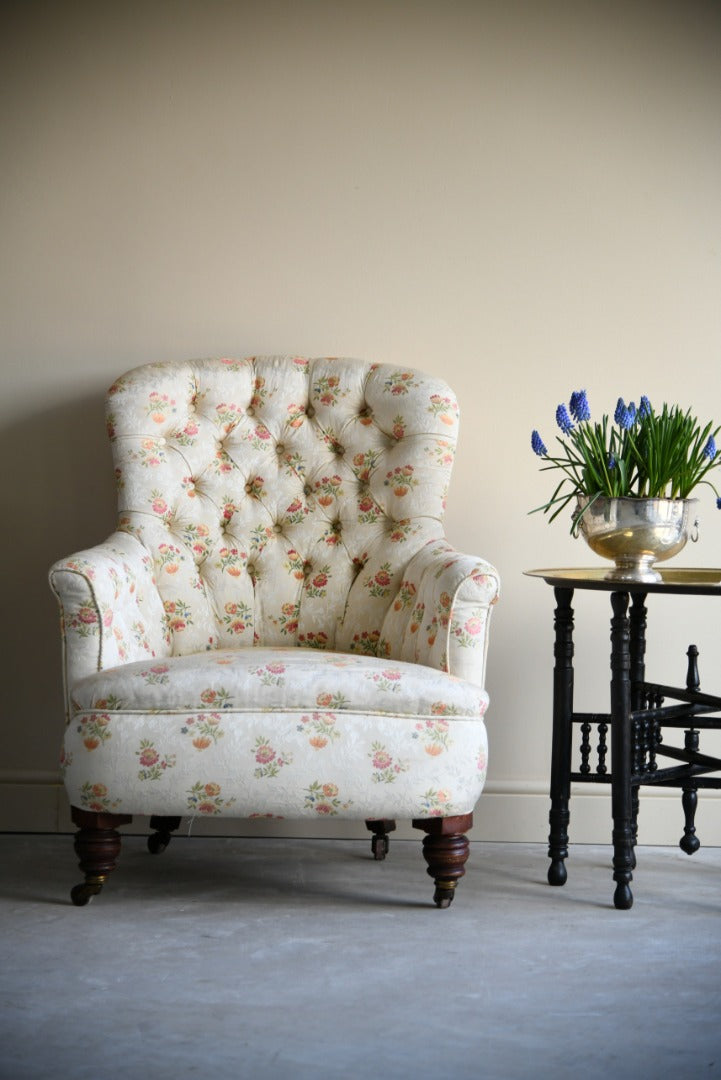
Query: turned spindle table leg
{"points": [[621, 796], [559, 815]]}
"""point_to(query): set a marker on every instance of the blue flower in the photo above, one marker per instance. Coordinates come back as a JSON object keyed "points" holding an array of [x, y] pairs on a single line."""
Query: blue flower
{"points": [[709, 449], [625, 415], [564, 420], [644, 408], [611, 461], [718, 503], [580, 409], [537, 444]]}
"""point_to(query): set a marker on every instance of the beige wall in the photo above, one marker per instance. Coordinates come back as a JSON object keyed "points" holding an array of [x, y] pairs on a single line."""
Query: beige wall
{"points": [[525, 198]]}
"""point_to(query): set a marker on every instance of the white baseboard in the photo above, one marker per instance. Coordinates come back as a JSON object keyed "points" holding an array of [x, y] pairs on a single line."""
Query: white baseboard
{"points": [[508, 812]]}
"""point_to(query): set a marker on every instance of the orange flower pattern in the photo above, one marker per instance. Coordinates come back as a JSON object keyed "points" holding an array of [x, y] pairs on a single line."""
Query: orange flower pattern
{"points": [[96, 797], [323, 728], [379, 584], [237, 616], [204, 730], [206, 798], [435, 736], [94, 730], [437, 803], [400, 382], [324, 799]]}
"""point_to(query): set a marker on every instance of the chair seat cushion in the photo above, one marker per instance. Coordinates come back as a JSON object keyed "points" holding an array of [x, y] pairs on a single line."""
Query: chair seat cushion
{"points": [[277, 678], [277, 732]]}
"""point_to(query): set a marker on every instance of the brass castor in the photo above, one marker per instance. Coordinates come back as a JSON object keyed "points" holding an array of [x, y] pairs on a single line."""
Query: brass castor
{"points": [[445, 891], [97, 845], [82, 894]]}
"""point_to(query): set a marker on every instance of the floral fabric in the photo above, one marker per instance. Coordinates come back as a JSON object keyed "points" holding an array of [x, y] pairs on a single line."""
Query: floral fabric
{"points": [[380, 732], [110, 609], [263, 679], [441, 612], [264, 504]]}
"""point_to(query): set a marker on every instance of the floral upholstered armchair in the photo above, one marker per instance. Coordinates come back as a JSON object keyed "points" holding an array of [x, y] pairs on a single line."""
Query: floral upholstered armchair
{"points": [[278, 627]]}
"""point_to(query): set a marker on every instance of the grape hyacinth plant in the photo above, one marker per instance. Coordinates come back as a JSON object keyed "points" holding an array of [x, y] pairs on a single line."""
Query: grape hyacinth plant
{"points": [[642, 454]]}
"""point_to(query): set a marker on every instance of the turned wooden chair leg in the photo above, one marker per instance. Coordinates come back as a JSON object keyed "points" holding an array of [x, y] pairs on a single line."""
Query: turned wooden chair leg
{"points": [[97, 845], [160, 839], [446, 850], [380, 842]]}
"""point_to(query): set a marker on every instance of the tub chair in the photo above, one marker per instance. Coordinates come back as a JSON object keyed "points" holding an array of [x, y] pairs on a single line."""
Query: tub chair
{"points": [[278, 627]]}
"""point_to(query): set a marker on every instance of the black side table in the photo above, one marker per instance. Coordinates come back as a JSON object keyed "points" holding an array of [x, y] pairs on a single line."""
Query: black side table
{"points": [[636, 720]]}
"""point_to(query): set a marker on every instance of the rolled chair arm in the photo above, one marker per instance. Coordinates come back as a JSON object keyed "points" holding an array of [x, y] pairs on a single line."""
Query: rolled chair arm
{"points": [[111, 611], [440, 615]]}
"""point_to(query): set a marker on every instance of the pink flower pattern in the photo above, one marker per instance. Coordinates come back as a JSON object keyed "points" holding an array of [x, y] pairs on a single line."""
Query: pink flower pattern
{"points": [[385, 768], [269, 761], [152, 764]]}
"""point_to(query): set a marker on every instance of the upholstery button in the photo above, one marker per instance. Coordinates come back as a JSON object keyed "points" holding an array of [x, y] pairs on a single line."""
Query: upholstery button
{"points": [[277, 528], [251, 569], [248, 488], [280, 449], [310, 412], [365, 412], [339, 451], [307, 569], [250, 411], [307, 489], [336, 526]]}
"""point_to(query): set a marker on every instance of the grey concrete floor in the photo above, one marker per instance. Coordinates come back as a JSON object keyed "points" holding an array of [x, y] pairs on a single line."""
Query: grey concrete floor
{"points": [[277, 959]]}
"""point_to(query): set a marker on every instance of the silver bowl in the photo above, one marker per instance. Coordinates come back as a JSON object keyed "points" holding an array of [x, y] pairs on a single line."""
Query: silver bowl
{"points": [[636, 533]]}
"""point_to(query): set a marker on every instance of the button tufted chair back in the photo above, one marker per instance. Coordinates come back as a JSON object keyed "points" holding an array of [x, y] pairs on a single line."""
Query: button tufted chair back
{"points": [[281, 498]]}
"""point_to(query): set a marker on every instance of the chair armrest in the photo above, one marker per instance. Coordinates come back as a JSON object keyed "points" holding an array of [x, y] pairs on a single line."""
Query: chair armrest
{"points": [[110, 608], [441, 613]]}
